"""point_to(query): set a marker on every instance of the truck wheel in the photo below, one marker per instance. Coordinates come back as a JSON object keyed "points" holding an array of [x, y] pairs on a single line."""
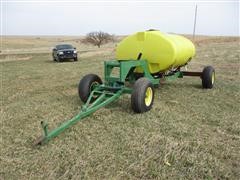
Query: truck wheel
{"points": [[75, 59], [142, 96], [86, 85], [58, 59], [208, 77]]}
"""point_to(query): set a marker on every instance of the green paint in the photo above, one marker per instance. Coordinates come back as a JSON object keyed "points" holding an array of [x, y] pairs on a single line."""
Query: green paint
{"points": [[108, 92], [103, 100]]}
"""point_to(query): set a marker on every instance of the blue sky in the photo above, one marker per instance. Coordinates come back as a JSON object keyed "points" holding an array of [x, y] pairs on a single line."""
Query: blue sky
{"points": [[118, 17]]}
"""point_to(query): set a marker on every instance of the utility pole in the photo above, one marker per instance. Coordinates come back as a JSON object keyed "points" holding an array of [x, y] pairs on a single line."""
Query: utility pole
{"points": [[195, 22]]}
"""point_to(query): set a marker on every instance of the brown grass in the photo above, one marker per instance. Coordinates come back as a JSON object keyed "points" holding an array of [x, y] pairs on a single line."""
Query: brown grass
{"points": [[190, 133]]}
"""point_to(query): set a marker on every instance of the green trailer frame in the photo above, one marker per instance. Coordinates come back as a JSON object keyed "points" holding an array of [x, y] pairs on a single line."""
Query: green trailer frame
{"points": [[112, 88]]}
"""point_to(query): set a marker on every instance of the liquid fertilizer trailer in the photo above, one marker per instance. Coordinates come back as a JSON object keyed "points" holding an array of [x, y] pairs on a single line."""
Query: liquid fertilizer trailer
{"points": [[142, 60]]}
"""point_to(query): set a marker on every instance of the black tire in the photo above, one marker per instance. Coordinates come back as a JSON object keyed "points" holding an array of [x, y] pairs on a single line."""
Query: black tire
{"points": [[208, 77], [138, 97], [75, 59], [85, 86], [54, 59], [58, 59]]}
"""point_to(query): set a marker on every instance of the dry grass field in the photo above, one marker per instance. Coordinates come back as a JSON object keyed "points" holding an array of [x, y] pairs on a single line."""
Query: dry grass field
{"points": [[190, 133]]}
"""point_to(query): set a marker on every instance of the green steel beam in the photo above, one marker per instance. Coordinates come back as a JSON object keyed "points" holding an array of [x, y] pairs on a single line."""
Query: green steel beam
{"points": [[173, 76], [126, 68], [103, 100]]}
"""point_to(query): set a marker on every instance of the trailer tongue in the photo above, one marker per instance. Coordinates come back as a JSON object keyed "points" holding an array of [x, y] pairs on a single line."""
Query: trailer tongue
{"points": [[104, 99]]}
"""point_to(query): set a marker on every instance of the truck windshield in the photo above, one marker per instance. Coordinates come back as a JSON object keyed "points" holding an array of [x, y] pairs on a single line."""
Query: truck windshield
{"points": [[64, 46]]}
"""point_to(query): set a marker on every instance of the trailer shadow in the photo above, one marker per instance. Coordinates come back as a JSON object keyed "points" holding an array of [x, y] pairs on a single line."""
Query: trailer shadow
{"points": [[179, 85]]}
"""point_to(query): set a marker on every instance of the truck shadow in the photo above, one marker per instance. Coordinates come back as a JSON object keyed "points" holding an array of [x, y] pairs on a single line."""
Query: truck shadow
{"points": [[63, 61]]}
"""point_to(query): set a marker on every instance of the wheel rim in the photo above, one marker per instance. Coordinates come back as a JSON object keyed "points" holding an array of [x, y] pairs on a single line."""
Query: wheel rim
{"points": [[148, 96], [213, 77], [93, 85]]}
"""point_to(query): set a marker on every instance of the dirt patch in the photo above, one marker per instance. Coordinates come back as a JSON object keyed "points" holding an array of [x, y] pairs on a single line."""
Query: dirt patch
{"points": [[7, 58]]}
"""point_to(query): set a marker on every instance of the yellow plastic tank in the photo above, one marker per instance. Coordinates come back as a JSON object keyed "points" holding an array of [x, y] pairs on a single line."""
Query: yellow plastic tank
{"points": [[162, 51]]}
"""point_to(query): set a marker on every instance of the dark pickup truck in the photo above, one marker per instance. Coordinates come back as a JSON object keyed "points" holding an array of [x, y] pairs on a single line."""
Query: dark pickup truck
{"points": [[64, 51]]}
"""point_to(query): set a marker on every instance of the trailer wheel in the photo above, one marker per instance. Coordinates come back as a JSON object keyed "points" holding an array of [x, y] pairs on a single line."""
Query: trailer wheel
{"points": [[208, 77], [86, 85], [142, 96]]}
